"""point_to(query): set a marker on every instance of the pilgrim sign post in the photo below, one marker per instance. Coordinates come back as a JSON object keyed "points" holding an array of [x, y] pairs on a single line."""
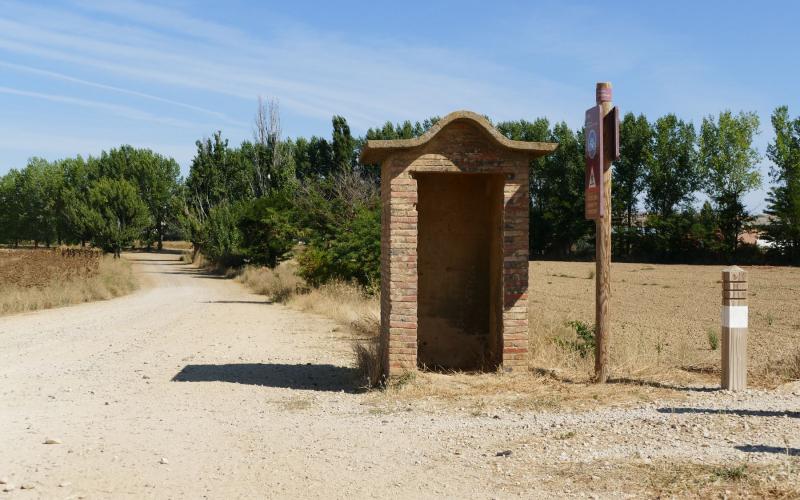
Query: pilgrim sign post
{"points": [[602, 148]]}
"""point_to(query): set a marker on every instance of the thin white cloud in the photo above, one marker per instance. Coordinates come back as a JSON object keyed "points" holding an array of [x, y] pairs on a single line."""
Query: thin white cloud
{"points": [[117, 109], [67, 78], [313, 74]]}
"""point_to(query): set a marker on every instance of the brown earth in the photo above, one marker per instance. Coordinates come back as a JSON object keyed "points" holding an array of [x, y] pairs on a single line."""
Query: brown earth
{"points": [[662, 317], [29, 267], [195, 387]]}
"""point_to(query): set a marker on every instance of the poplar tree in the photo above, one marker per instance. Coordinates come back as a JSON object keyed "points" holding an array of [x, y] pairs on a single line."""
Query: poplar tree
{"points": [[629, 174], [784, 198], [729, 163], [343, 145]]}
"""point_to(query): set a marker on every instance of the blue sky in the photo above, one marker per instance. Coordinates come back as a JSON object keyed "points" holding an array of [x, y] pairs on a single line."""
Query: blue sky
{"points": [[80, 76]]}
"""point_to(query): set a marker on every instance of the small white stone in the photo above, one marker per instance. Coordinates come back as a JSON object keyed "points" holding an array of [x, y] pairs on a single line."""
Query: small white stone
{"points": [[163, 461], [52, 441]]}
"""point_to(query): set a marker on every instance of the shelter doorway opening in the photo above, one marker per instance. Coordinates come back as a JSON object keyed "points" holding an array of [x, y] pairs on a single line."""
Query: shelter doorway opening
{"points": [[460, 270]]}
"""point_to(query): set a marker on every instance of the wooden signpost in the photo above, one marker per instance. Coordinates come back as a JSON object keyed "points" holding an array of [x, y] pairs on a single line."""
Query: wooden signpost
{"points": [[734, 328], [602, 148]]}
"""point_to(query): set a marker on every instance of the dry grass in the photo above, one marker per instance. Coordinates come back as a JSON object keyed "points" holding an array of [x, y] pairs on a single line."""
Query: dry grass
{"points": [[178, 245], [480, 394], [369, 361], [662, 479], [661, 319], [43, 279], [345, 303], [661, 316], [279, 284]]}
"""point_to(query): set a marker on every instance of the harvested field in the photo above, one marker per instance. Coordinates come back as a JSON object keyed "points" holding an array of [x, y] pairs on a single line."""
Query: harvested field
{"points": [[665, 319], [32, 279], [36, 268]]}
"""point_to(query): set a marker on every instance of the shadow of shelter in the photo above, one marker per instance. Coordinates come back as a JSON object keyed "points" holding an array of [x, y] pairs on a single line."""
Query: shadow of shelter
{"points": [[307, 377]]}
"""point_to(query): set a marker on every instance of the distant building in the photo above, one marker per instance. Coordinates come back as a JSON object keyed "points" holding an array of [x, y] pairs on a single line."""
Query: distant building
{"points": [[753, 234]]}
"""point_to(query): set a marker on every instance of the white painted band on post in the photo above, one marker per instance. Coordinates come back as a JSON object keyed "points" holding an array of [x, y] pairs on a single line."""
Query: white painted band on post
{"points": [[734, 316]]}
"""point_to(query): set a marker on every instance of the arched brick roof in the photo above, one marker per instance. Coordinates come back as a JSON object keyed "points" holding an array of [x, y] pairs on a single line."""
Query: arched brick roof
{"points": [[376, 150]]}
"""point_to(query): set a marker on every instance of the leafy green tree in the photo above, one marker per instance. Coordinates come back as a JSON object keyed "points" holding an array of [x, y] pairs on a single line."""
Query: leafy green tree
{"points": [[118, 215], [339, 219], [729, 163], [784, 197], [629, 176], [11, 209], [354, 253], [74, 198], [404, 130], [343, 145], [268, 229], [672, 175], [40, 184], [538, 131], [557, 221], [224, 237], [155, 177], [271, 158], [217, 174]]}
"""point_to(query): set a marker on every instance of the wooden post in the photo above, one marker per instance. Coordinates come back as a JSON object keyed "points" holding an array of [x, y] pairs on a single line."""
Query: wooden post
{"points": [[603, 256], [734, 328]]}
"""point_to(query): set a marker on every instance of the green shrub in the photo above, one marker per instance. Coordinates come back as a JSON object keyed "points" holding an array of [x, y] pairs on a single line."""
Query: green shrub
{"points": [[353, 253], [585, 343], [341, 225], [713, 339], [268, 229], [224, 237]]}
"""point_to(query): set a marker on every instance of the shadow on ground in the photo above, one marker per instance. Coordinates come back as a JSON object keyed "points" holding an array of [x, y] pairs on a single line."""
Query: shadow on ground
{"points": [[662, 385], [624, 381], [299, 376], [193, 272], [150, 260], [259, 302], [740, 413], [760, 448]]}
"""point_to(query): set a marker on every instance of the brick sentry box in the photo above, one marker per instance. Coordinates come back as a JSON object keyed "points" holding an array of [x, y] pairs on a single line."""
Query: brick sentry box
{"points": [[454, 246]]}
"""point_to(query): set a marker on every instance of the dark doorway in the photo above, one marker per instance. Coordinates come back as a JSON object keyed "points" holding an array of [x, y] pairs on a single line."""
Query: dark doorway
{"points": [[460, 259]]}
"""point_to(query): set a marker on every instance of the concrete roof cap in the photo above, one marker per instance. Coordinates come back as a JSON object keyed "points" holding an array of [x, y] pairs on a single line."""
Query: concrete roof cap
{"points": [[376, 151]]}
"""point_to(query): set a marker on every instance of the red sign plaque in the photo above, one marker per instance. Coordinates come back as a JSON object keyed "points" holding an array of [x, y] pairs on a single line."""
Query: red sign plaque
{"points": [[595, 144]]}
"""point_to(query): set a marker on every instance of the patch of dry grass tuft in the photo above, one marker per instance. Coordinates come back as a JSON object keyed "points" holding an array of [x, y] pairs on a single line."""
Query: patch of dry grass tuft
{"points": [[369, 361], [279, 284], [345, 303]]}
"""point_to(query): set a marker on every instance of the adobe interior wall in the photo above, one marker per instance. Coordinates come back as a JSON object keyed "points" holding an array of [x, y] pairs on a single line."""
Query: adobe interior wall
{"points": [[459, 270]]}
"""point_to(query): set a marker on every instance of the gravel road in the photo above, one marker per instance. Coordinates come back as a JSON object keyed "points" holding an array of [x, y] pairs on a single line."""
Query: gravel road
{"points": [[194, 387]]}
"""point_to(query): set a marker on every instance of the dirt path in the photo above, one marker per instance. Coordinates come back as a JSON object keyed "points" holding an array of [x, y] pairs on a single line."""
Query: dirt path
{"points": [[194, 387]]}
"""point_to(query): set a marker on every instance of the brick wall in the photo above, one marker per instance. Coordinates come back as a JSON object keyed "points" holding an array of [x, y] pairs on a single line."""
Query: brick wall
{"points": [[460, 147]]}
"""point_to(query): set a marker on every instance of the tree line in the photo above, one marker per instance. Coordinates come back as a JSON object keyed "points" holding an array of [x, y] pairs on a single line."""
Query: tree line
{"points": [[271, 198], [665, 168]]}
